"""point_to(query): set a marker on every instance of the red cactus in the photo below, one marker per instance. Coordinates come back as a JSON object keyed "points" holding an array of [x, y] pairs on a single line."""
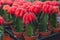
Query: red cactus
{"points": [[20, 2], [1, 20], [47, 9], [28, 18], [0, 4], [9, 2], [25, 5], [19, 12], [35, 9], [55, 3], [12, 10], [6, 7], [37, 2], [55, 9], [48, 2]]}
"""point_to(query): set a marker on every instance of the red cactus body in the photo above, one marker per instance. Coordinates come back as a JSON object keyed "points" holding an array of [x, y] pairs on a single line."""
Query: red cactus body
{"points": [[6, 7], [38, 3], [55, 9], [35, 9], [55, 3], [1, 20], [0, 4], [12, 10], [19, 12], [15, 4], [20, 2], [9, 2], [29, 18], [25, 5], [47, 9], [48, 2]]}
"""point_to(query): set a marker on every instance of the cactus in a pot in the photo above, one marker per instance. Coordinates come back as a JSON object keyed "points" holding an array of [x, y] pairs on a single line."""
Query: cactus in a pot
{"points": [[19, 13], [53, 19], [28, 19], [44, 18], [53, 16], [43, 25], [18, 22]]}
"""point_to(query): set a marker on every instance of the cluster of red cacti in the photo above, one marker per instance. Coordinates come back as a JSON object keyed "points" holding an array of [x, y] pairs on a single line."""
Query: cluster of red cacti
{"points": [[29, 10]]}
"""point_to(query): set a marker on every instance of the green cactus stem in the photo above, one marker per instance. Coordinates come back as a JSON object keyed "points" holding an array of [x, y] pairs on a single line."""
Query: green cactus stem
{"points": [[53, 20], [1, 32], [19, 25], [7, 16], [43, 22], [29, 29], [14, 19], [1, 12]]}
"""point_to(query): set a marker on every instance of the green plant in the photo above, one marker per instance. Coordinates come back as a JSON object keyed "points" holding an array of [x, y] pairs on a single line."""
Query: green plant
{"points": [[53, 20], [30, 30], [19, 25], [1, 32], [7, 17], [53, 16], [43, 23]]}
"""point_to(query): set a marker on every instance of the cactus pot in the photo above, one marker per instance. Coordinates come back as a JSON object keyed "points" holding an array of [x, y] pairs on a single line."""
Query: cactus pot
{"points": [[7, 37], [8, 22], [18, 34], [56, 30], [29, 37], [44, 34]]}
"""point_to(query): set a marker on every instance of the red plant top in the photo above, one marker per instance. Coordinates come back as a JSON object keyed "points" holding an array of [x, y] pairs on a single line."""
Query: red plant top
{"points": [[55, 3], [20, 2], [47, 9], [25, 5], [12, 10], [9, 2], [29, 18], [6, 7], [55, 9], [39, 3], [1, 20], [0, 4], [35, 9], [48, 2], [20, 12]]}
